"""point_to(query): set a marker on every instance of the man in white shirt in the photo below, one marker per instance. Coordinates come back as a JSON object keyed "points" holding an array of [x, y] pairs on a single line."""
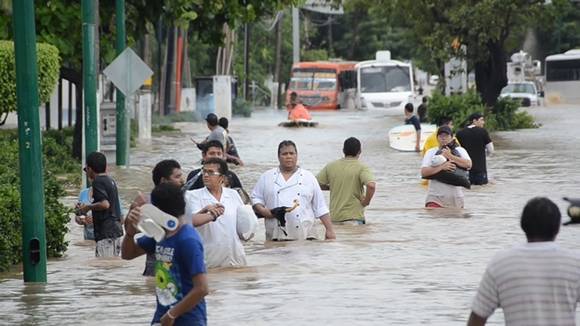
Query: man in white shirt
{"points": [[441, 194], [296, 189], [536, 283]]}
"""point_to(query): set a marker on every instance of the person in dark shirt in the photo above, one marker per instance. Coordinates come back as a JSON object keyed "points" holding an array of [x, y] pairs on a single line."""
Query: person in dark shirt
{"points": [[411, 119], [104, 207], [195, 179], [166, 171], [422, 110], [475, 139], [232, 155]]}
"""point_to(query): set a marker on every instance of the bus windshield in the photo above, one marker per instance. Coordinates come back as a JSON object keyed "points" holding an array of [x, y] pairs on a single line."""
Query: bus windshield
{"points": [[385, 79], [313, 80]]}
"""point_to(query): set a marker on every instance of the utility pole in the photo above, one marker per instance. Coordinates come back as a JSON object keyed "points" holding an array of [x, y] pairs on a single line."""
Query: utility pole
{"points": [[89, 76], [277, 79], [295, 35], [122, 131], [30, 146], [246, 60]]}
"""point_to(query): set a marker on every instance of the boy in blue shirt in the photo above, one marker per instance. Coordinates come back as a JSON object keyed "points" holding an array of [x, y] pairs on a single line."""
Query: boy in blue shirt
{"points": [[180, 273]]}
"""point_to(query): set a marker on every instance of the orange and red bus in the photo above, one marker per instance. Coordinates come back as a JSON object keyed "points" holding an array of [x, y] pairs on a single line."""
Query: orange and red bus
{"points": [[322, 85]]}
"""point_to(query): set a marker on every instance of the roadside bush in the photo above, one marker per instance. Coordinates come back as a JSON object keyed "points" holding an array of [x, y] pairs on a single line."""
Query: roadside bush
{"points": [[48, 71], [241, 107], [57, 157], [503, 116]]}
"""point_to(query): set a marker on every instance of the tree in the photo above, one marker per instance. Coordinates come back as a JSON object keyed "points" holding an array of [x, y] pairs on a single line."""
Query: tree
{"points": [[484, 26]]}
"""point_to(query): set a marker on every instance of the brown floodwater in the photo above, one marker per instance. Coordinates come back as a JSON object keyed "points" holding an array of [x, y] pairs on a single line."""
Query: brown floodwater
{"points": [[407, 266]]}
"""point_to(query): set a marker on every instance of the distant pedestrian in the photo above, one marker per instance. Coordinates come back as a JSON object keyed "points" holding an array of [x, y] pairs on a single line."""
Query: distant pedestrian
{"points": [[181, 278], [166, 171], [231, 152], [290, 199], [105, 208], [422, 110], [216, 132], [475, 139], [347, 179], [536, 283], [411, 119]]}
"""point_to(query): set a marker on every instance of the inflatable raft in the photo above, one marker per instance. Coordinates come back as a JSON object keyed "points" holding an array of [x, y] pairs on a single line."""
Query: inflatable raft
{"points": [[298, 123]]}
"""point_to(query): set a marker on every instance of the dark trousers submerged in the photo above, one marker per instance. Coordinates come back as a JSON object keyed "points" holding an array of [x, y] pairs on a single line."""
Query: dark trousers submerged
{"points": [[477, 178]]}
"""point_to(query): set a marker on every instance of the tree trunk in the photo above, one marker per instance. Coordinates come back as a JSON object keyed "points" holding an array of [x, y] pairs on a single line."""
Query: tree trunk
{"points": [[490, 75], [76, 78]]}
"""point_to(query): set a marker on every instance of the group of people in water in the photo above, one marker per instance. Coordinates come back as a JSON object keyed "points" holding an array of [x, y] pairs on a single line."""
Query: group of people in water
{"points": [[290, 199], [451, 161]]}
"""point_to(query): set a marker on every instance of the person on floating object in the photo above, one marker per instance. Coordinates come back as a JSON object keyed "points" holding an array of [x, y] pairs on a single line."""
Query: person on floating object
{"points": [[475, 139], [422, 110], [290, 199], [440, 194], [213, 149], [216, 132], [179, 267], [166, 171], [105, 208], [86, 220], [213, 211], [231, 153], [535, 283], [411, 119], [297, 111], [346, 179]]}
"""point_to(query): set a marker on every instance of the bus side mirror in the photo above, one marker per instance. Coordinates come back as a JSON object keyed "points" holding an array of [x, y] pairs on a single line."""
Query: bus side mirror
{"points": [[541, 93]]}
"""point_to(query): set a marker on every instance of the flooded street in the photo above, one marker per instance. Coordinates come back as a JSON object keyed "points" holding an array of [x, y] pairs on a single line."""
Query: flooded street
{"points": [[407, 266]]}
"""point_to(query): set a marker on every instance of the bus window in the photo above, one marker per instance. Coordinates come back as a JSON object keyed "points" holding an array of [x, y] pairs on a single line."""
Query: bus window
{"points": [[562, 70]]}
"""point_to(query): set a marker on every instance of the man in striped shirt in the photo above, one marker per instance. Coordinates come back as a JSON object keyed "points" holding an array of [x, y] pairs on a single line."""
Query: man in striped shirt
{"points": [[537, 283]]}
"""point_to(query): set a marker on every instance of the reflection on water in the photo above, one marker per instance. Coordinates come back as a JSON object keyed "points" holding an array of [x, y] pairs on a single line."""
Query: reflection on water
{"points": [[407, 266]]}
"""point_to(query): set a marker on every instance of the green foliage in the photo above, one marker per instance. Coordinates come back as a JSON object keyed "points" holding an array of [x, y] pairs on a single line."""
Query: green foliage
{"points": [[56, 158], [503, 116], [48, 72], [241, 107], [315, 55]]}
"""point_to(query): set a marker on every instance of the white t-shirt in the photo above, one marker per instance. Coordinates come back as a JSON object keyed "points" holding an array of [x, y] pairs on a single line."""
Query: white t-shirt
{"points": [[442, 193], [535, 284], [222, 245], [273, 191]]}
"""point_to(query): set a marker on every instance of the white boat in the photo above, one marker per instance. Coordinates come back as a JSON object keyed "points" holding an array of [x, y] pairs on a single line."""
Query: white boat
{"points": [[403, 138]]}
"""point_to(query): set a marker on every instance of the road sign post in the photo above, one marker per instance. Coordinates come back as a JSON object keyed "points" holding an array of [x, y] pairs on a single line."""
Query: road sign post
{"points": [[29, 143]]}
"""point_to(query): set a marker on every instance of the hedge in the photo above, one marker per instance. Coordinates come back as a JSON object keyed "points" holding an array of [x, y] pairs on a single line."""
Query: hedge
{"points": [[57, 159], [503, 116], [48, 73]]}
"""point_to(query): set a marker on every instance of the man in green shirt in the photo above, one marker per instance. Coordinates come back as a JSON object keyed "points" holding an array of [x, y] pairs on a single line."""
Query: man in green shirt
{"points": [[346, 179]]}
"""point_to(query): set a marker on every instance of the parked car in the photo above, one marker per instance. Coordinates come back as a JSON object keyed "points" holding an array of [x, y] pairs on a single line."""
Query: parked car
{"points": [[526, 92]]}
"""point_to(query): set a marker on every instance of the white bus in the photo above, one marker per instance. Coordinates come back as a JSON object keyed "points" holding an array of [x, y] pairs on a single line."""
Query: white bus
{"points": [[384, 83], [562, 81]]}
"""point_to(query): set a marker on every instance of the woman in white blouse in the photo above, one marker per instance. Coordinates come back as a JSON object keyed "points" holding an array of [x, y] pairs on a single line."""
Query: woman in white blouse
{"points": [[213, 212]]}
